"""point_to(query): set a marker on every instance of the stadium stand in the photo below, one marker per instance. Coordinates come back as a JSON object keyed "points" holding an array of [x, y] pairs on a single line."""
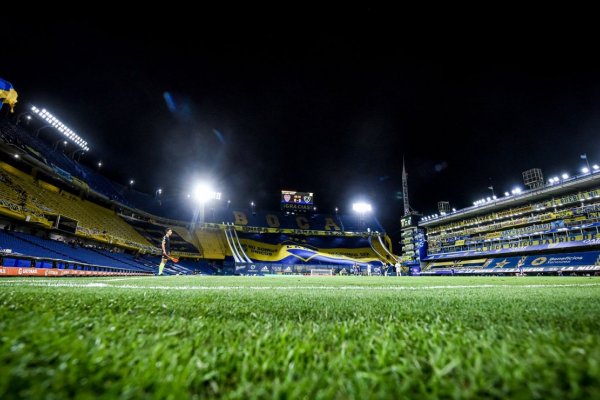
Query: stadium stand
{"points": [[120, 228], [92, 220], [213, 243], [154, 232], [549, 229]]}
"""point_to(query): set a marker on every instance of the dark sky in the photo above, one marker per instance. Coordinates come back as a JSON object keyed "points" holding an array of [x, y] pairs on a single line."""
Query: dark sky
{"points": [[324, 104]]}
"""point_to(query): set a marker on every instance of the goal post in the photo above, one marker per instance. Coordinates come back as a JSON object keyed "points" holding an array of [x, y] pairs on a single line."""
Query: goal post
{"points": [[321, 272]]}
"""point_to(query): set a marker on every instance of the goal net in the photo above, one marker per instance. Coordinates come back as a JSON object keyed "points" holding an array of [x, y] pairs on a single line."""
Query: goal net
{"points": [[321, 272]]}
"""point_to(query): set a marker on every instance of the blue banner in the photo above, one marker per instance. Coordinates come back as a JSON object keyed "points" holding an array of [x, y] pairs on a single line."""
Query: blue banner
{"points": [[62, 173], [421, 244], [546, 260], [563, 262]]}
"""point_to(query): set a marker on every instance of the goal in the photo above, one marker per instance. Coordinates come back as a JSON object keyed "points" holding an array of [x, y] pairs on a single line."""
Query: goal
{"points": [[321, 272]]}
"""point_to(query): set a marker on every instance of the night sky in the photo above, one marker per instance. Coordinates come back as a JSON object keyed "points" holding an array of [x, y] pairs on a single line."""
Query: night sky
{"points": [[317, 104]]}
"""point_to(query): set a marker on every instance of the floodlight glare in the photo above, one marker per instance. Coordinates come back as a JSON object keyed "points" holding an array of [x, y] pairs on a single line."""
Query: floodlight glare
{"points": [[361, 207], [585, 170], [203, 193], [595, 167], [565, 176]]}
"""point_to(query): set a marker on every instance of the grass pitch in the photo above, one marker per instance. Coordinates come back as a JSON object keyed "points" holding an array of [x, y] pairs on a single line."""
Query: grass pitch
{"points": [[300, 337]]}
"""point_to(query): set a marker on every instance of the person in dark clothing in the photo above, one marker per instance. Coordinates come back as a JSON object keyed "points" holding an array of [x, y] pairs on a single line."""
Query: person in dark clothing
{"points": [[166, 250]]}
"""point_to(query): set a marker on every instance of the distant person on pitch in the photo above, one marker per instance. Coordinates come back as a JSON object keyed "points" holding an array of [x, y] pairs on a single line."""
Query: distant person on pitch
{"points": [[166, 250]]}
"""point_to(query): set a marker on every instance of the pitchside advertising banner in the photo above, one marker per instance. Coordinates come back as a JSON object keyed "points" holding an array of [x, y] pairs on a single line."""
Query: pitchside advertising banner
{"points": [[265, 269], [15, 271], [258, 268]]}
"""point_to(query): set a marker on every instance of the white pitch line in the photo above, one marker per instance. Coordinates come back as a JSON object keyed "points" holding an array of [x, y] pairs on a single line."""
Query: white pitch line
{"points": [[43, 279], [285, 288]]}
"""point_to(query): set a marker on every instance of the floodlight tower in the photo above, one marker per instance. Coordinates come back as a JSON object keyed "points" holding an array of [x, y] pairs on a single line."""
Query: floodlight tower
{"points": [[409, 229], [52, 122], [405, 189]]}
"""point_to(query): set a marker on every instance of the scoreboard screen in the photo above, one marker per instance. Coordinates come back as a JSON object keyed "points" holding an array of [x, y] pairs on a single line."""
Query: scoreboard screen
{"points": [[296, 201], [405, 221]]}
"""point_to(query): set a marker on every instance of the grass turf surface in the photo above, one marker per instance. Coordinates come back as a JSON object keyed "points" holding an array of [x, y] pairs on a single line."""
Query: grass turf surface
{"points": [[300, 337]]}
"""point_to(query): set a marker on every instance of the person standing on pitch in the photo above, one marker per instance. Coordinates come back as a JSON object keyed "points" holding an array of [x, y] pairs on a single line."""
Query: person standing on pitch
{"points": [[166, 249]]}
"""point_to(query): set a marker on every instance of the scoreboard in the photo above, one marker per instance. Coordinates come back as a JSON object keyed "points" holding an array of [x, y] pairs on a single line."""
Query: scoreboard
{"points": [[296, 201]]}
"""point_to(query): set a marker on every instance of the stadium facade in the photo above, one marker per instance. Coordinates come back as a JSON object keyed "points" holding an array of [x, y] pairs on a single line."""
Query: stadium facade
{"points": [[553, 228]]}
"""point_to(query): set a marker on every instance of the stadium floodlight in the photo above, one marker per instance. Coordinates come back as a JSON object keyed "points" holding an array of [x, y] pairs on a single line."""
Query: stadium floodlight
{"points": [[506, 194], [585, 170], [516, 190], [54, 122], [99, 164], [131, 182], [565, 176], [555, 179], [454, 210], [361, 207], [203, 193], [595, 167]]}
